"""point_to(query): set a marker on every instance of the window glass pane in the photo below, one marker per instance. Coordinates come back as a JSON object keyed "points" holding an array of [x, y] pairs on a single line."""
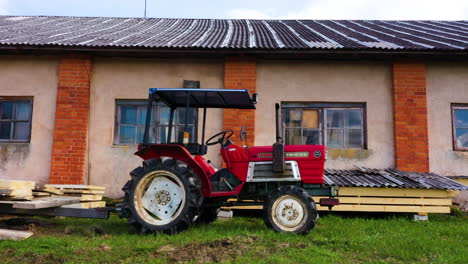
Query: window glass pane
{"points": [[6, 110], [127, 135], [128, 114], [335, 138], [141, 132], [292, 117], [311, 136], [462, 138], [164, 130], [461, 118], [335, 119], [5, 130], [22, 111], [353, 138], [310, 119], [293, 136], [181, 115], [353, 118], [21, 131], [164, 115]]}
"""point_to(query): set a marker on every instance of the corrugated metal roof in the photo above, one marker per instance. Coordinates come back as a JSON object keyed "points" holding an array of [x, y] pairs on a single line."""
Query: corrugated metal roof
{"points": [[365, 177], [233, 33]]}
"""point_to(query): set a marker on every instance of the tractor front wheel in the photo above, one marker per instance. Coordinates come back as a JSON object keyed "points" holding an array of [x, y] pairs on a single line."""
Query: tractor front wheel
{"points": [[290, 209], [162, 197]]}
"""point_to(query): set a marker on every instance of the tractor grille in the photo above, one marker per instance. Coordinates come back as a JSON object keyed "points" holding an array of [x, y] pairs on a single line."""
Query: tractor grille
{"points": [[263, 172]]}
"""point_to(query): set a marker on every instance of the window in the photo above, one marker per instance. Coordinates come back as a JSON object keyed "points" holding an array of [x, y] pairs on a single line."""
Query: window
{"points": [[131, 118], [335, 125], [460, 126], [15, 120]]}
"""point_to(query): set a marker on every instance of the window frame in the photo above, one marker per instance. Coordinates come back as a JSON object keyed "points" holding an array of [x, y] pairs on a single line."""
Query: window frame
{"points": [[322, 108], [29, 100], [454, 107], [155, 126]]}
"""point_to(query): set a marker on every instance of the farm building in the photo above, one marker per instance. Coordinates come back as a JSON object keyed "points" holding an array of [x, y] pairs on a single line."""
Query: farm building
{"points": [[378, 94]]}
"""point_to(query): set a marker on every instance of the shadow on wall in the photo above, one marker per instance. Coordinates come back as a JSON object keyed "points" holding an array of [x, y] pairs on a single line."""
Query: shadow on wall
{"points": [[13, 155]]}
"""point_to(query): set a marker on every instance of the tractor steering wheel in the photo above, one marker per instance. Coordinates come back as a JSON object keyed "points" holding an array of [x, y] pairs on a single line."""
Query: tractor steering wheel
{"points": [[220, 140]]}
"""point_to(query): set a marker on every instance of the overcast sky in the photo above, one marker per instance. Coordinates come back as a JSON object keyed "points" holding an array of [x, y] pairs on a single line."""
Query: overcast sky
{"points": [[259, 9]]}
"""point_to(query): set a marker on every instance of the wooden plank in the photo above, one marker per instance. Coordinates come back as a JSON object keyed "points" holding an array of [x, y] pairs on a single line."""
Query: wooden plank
{"points": [[76, 186], [13, 184], [88, 197], [395, 192], [81, 192], [390, 200], [46, 202], [47, 188], [16, 198], [387, 208], [97, 204], [41, 194], [16, 192], [7, 234]]}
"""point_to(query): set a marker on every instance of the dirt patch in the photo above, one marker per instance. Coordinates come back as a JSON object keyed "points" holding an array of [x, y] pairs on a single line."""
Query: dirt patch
{"points": [[218, 250]]}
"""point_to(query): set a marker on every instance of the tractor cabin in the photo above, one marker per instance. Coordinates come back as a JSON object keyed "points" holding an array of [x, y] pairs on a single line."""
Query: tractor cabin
{"points": [[388, 99]]}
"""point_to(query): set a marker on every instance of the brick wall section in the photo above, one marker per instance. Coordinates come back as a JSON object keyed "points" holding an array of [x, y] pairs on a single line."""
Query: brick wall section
{"points": [[410, 114], [240, 73], [68, 165]]}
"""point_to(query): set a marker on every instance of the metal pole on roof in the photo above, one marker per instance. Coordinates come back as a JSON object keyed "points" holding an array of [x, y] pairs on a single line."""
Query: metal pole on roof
{"points": [[145, 10]]}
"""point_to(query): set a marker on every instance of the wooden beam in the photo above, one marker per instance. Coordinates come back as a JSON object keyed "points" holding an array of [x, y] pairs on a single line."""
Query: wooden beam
{"points": [[387, 208], [390, 200], [7, 234], [76, 186], [16, 192], [395, 192], [13, 184], [96, 204], [45, 202]]}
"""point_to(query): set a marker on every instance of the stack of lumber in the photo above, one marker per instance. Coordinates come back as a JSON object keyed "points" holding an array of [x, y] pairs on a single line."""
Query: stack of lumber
{"points": [[90, 196], [16, 190], [28, 194]]}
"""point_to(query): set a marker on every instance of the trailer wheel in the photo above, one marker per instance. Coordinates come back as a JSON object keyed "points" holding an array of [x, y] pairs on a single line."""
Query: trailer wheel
{"points": [[162, 197], [290, 209]]}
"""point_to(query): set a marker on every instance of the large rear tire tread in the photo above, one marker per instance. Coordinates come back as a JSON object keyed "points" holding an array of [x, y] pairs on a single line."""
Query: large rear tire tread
{"points": [[191, 207], [301, 195]]}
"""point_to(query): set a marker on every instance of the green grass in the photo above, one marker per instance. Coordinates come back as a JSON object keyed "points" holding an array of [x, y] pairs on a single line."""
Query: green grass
{"points": [[335, 239]]}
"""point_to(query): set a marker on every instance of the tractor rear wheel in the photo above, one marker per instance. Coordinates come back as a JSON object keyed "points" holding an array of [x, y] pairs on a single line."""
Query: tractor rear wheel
{"points": [[162, 197], [290, 209]]}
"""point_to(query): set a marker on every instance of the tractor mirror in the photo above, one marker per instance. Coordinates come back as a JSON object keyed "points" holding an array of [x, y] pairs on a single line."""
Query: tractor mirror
{"points": [[254, 98], [243, 133]]}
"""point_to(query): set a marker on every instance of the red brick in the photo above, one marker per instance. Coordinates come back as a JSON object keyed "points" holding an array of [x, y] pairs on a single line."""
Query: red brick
{"points": [[71, 120], [410, 117], [240, 73]]}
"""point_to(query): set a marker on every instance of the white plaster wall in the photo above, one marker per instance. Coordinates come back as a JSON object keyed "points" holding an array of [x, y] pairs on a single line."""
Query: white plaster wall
{"points": [[34, 77], [447, 83], [301, 81], [115, 78]]}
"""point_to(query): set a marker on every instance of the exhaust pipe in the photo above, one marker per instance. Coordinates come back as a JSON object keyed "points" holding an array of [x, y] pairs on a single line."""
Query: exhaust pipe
{"points": [[278, 147], [279, 139]]}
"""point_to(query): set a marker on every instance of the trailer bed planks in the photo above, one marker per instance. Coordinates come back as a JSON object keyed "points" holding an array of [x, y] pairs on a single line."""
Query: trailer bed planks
{"points": [[396, 200]]}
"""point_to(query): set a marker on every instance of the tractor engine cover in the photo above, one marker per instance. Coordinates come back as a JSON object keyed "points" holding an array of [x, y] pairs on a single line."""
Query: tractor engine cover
{"points": [[310, 159]]}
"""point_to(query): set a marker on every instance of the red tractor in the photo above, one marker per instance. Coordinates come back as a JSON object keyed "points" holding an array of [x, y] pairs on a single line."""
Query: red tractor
{"points": [[177, 187]]}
